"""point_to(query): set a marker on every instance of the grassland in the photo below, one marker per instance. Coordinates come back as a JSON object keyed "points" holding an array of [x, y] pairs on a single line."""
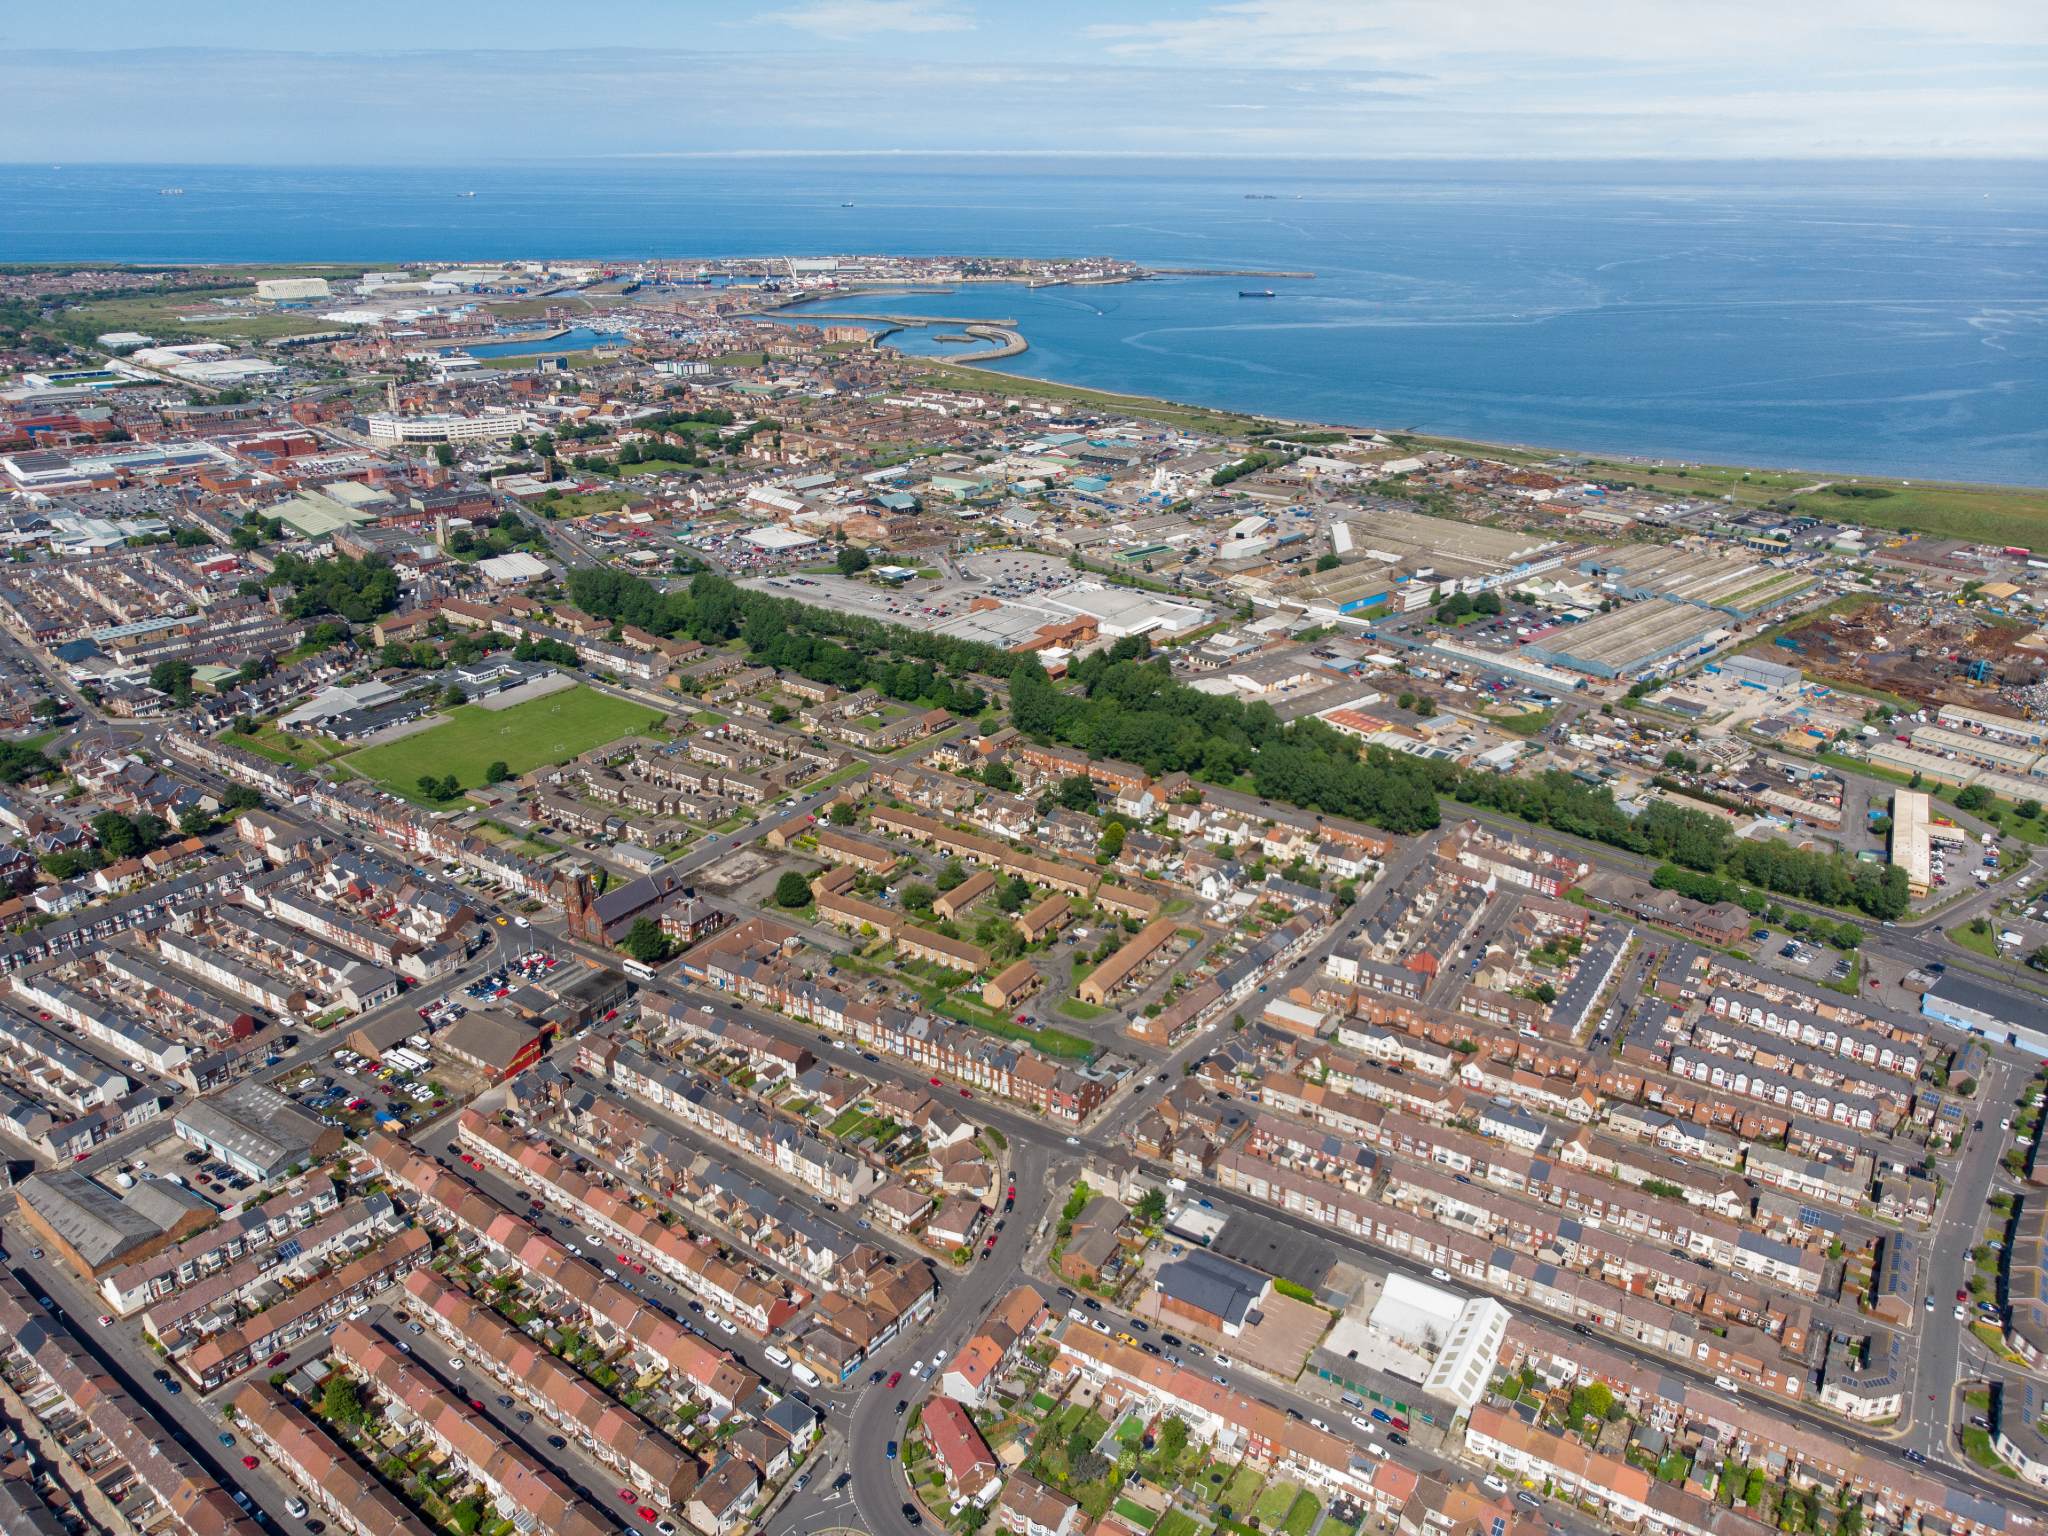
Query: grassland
{"points": [[545, 730], [174, 317], [1994, 513], [588, 503], [1195, 418], [1985, 944], [298, 751]]}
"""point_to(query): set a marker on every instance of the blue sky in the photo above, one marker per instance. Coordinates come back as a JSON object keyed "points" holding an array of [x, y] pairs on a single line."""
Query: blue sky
{"points": [[453, 81]]}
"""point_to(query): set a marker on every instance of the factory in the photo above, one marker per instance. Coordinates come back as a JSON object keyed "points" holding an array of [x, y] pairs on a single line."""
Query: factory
{"points": [[1631, 639], [1701, 578]]}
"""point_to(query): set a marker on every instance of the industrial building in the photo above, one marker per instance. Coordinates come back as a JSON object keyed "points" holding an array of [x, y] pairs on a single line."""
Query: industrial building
{"points": [[256, 1130], [1969, 1005], [1702, 578], [1631, 639]]}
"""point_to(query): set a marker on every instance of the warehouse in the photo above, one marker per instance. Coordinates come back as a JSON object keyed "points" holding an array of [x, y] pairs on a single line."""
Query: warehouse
{"points": [[256, 1130], [1758, 673], [1631, 639], [1985, 751], [1701, 578], [1981, 1010]]}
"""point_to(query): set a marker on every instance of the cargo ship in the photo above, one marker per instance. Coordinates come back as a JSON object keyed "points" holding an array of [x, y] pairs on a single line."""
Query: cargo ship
{"points": [[1255, 293]]}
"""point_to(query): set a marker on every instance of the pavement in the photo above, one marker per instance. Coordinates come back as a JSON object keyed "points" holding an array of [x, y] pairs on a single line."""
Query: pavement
{"points": [[862, 1417]]}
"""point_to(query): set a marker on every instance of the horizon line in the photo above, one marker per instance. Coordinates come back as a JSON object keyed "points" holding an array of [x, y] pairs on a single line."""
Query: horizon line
{"points": [[1418, 157]]}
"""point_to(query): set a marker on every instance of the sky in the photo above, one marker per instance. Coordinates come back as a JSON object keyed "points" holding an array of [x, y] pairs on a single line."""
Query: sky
{"points": [[462, 82]]}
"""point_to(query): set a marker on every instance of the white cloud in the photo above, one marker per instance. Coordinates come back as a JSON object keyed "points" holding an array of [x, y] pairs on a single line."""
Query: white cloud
{"points": [[852, 19]]}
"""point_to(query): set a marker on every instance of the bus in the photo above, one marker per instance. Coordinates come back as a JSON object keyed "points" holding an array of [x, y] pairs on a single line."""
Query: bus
{"points": [[639, 970]]}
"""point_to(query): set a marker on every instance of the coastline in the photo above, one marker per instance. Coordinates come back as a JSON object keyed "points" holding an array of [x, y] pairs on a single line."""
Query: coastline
{"points": [[1975, 511]]}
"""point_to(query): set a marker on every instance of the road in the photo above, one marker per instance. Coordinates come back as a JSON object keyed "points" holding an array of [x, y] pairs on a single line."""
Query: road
{"points": [[862, 1417]]}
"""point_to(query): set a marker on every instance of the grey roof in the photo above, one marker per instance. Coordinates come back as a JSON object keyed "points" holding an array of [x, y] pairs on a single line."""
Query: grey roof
{"points": [[255, 1121], [98, 1224], [1212, 1284]]}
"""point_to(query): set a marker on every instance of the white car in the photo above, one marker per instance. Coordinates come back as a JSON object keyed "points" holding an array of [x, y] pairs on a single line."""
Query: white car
{"points": [[457, 1363], [295, 1507]]}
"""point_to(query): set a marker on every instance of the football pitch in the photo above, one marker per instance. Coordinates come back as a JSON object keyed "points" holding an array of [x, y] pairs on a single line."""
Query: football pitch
{"points": [[550, 729]]}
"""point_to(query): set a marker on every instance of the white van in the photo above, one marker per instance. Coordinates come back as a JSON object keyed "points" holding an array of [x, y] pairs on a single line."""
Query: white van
{"points": [[803, 1373], [1728, 1384], [776, 1357]]}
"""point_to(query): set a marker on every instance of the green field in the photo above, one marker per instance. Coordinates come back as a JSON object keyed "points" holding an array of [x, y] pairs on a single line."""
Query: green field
{"points": [[546, 730]]}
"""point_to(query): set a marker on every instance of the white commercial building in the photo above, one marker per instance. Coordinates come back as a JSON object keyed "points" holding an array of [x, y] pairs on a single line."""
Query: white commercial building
{"points": [[445, 428]]}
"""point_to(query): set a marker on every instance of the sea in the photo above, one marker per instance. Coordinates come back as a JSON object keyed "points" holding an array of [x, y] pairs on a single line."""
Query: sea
{"points": [[1844, 317]]}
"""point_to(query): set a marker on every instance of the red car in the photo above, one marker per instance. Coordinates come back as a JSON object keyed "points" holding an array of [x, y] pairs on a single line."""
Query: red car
{"points": [[278, 1359], [249, 1462], [628, 1495], [646, 1513], [894, 1377], [476, 1404], [965, 1094], [935, 1082], [1962, 1295]]}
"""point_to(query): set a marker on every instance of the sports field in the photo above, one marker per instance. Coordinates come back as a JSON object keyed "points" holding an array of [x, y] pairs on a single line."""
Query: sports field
{"points": [[544, 730]]}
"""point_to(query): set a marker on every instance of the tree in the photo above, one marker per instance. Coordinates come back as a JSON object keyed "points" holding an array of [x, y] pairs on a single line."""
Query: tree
{"points": [[1112, 839], [1000, 776], [952, 874], [791, 889], [1592, 1401], [498, 772], [194, 822], [241, 797], [1327, 562], [1973, 797], [453, 697], [1077, 792], [124, 838], [918, 897], [1151, 1207], [444, 455], [341, 1401], [1013, 894], [852, 560], [646, 942], [19, 762], [173, 678], [1173, 1432], [2027, 810], [440, 789], [842, 813], [48, 708]]}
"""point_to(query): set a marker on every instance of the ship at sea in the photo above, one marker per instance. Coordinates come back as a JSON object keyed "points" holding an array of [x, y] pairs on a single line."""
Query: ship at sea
{"points": [[170, 191], [465, 194], [1255, 293]]}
